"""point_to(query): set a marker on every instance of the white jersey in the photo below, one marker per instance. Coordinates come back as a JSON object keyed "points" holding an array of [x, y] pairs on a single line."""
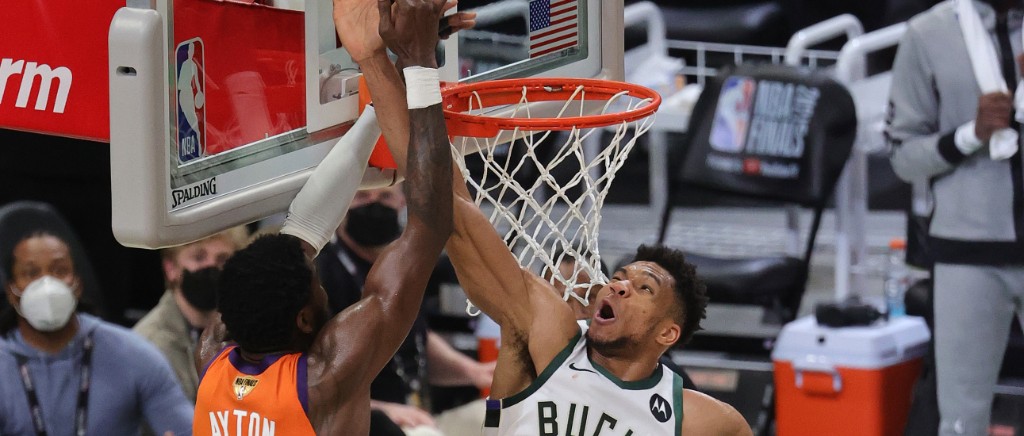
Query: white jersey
{"points": [[576, 397]]}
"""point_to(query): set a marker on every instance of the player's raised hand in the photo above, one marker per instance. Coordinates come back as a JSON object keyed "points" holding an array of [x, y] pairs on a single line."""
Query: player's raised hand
{"points": [[357, 25], [457, 21], [409, 28]]}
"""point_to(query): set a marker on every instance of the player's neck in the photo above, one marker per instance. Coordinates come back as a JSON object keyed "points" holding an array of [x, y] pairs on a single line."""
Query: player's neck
{"points": [[252, 357], [299, 344], [626, 368], [49, 342]]}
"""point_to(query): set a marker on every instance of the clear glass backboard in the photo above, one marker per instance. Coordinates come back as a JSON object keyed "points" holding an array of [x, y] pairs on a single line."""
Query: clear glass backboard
{"points": [[220, 109]]}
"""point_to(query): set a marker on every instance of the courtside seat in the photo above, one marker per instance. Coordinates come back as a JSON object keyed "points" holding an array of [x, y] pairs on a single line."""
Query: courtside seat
{"points": [[755, 23], [750, 22], [771, 134], [756, 280]]}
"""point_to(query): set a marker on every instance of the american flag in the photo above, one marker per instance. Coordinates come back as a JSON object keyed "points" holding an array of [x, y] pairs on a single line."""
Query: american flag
{"points": [[554, 26]]}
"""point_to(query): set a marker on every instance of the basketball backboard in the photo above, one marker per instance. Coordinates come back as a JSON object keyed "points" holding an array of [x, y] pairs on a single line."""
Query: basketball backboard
{"points": [[220, 109]]}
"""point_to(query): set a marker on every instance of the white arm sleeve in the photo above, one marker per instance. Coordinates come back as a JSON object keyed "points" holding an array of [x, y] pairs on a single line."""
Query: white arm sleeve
{"points": [[317, 210]]}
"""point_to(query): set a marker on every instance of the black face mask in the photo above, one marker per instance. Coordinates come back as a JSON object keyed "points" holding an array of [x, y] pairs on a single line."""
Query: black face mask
{"points": [[200, 287], [373, 225]]}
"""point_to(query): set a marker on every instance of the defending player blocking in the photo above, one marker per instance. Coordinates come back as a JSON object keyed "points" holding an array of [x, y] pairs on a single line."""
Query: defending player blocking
{"points": [[292, 369]]}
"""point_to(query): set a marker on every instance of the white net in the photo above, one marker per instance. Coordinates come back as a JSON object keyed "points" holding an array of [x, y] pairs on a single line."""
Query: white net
{"points": [[544, 190]]}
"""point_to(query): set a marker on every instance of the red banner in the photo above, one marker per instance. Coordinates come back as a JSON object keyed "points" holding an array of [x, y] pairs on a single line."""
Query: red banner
{"points": [[53, 66]]}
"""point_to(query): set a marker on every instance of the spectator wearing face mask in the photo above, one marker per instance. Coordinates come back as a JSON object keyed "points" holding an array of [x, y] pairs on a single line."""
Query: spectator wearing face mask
{"points": [[65, 373], [188, 305], [372, 222]]}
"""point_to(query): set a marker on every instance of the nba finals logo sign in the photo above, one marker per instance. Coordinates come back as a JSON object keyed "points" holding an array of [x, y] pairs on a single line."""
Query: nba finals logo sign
{"points": [[190, 89], [244, 385], [760, 127]]}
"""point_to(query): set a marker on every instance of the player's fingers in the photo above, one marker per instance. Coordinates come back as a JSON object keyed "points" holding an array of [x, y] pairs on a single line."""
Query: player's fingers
{"points": [[384, 9], [463, 20], [996, 121], [999, 108], [456, 22], [997, 98], [448, 5]]}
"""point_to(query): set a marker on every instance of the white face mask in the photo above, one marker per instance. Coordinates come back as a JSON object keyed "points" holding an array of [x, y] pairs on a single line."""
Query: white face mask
{"points": [[47, 304]]}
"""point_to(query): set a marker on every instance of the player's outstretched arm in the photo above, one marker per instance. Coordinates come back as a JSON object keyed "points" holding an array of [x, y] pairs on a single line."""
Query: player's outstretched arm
{"points": [[356, 344], [490, 274], [486, 269], [357, 22]]}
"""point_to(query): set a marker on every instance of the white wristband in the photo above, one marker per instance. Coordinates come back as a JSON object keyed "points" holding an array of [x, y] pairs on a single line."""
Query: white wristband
{"points": [[423, 87]]}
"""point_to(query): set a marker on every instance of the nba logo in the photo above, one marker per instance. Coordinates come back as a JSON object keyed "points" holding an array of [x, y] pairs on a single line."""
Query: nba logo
{"points": [[732, 116], [190, 87]]}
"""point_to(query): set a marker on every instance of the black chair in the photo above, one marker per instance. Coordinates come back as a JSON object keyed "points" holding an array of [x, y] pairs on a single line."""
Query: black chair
{"points": [[19, 219], [800, 128], [749, 22]]}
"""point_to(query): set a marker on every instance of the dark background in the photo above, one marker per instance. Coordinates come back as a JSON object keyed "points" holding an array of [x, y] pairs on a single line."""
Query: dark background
{"points": [[74, 175]]}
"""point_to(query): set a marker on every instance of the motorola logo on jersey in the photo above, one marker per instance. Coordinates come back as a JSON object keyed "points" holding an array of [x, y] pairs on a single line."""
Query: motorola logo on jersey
{"points": [[660, 408]]}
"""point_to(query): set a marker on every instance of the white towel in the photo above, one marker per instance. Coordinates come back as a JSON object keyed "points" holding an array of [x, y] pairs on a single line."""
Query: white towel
{"points": [[987, 71]]}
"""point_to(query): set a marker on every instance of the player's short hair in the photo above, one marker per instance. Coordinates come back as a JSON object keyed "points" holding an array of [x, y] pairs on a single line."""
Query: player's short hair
{"points": [[691, 294], [262, 289]]}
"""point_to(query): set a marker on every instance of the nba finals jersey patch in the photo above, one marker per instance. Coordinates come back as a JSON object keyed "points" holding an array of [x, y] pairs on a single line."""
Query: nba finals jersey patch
{"points": [[244, 385]]}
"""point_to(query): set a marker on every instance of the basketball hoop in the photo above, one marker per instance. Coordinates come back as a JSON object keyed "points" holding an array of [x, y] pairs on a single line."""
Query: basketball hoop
{"points": [[507, 124]]}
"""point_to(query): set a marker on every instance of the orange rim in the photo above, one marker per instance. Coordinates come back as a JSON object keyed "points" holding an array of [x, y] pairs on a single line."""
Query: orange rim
{"points": [[493, 93]]}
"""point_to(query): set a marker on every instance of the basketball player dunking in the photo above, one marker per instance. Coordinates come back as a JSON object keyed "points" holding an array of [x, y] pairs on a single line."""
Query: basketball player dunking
{"points": [[557, 377], [290, 370]]}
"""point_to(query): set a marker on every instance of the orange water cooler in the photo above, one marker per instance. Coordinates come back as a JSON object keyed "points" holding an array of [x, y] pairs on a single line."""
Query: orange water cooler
{"points": [[854, 381]]}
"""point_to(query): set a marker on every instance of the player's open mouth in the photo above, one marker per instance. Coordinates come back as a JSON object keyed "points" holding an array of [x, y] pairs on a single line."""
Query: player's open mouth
{"points": [[605, 312]]}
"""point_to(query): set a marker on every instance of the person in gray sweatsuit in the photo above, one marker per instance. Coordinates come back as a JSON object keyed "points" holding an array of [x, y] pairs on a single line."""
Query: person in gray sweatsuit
{"points": [[939, 126]]}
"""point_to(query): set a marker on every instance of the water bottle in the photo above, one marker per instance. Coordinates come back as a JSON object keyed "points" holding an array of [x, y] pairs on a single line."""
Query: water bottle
{"points": [[897, 279], [488, 335]]}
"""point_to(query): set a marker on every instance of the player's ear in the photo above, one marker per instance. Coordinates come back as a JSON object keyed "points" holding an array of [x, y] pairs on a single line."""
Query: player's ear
{"points": [[669, 333], [306, 320]]}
